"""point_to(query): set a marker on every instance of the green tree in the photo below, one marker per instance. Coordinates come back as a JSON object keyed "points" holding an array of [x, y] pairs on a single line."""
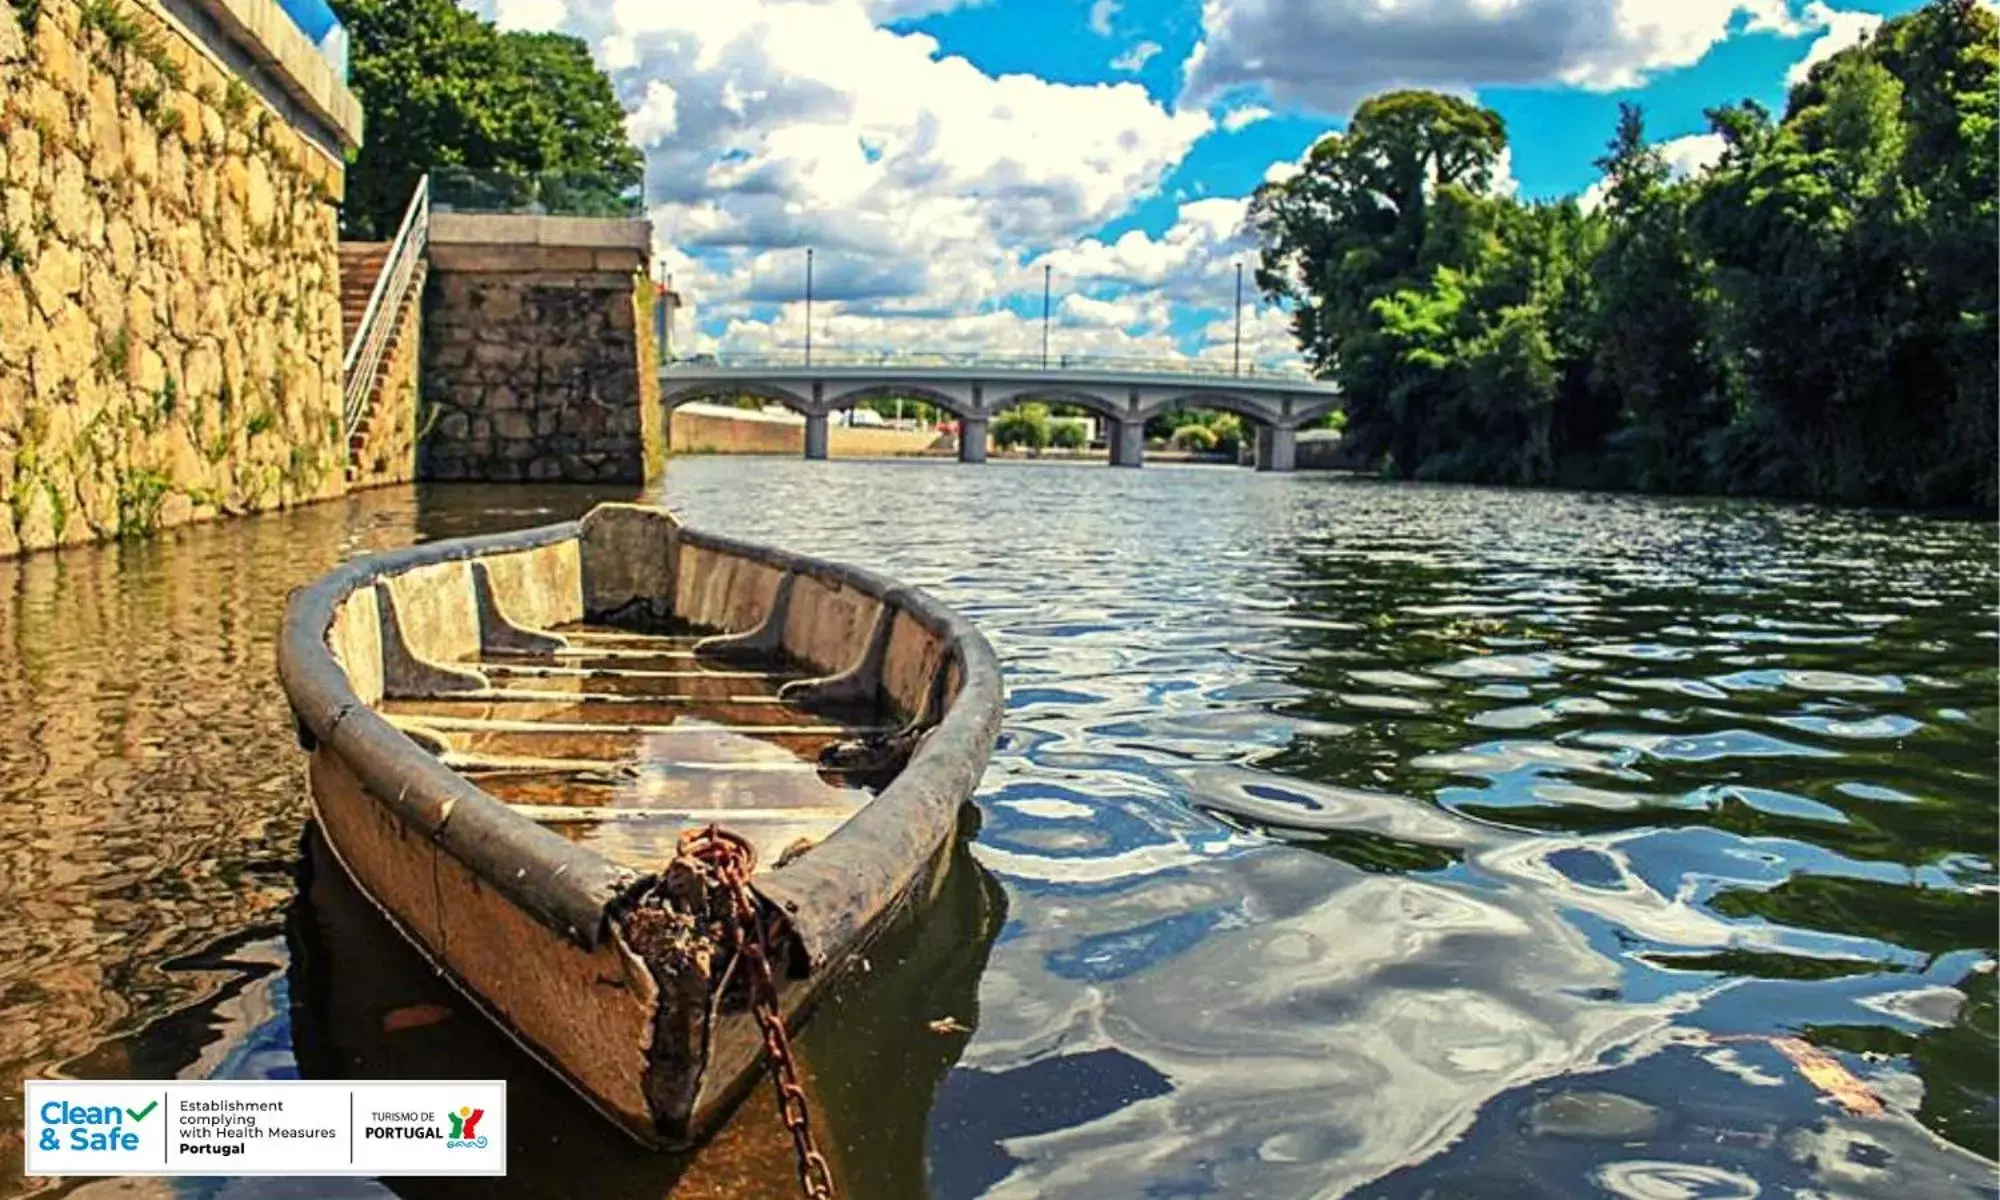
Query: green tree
{"points": [[1816, 315], [1843, 237], [1653, 304], [442, 88], [1375, 212]]}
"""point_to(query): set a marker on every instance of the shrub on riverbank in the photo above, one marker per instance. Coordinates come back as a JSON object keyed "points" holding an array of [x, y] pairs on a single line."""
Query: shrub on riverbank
{"points": [[1023, 427], [1196, 439], [1069, 433]]}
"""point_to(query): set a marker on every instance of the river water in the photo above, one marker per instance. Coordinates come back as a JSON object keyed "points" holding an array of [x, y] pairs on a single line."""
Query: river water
{"points": [[1343, 838]]}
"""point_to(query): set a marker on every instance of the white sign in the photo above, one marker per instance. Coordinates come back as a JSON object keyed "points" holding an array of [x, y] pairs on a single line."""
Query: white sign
{"points": [[266, 1127]]}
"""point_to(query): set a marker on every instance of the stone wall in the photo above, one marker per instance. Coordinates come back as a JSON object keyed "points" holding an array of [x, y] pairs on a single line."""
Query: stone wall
{"points": [[1324, 450], [170, 343], [386, 446], [538, 356], [710, 429]]}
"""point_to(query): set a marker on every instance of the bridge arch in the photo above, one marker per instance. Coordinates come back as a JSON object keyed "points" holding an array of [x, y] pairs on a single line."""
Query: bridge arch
{"points": [[1258, 413], [1306, 414], [732, 389], [1101, 405], [955, 405]]}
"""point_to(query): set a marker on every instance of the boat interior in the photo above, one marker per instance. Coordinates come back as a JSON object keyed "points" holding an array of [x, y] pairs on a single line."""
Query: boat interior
{"points": [[628, 684], [621, 740]]}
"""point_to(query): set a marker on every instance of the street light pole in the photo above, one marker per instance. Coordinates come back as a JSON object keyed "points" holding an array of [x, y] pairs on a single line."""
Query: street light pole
{"points": [[809, 306], [1045, 316], [1236, 365]]}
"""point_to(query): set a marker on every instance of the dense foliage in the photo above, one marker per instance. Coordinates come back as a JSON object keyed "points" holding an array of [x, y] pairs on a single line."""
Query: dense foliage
{"points": [[1814, 315], [444, 89], [1198, 429], [1023, 427]]}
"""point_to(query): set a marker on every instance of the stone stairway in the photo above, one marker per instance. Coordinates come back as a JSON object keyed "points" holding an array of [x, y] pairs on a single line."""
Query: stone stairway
{"points": [[361, 265]]}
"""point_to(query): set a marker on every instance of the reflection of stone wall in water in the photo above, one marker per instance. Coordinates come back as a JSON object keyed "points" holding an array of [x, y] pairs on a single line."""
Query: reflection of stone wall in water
{"points": [[537, 363], [170, 343], [151, 789]]}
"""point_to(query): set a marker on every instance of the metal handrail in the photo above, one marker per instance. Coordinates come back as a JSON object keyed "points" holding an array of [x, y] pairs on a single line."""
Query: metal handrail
{"points": [[973, 360], [385, 303]]}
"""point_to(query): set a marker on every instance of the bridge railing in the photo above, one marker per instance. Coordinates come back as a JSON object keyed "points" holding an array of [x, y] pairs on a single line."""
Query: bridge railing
{"points": [[975, 361]]}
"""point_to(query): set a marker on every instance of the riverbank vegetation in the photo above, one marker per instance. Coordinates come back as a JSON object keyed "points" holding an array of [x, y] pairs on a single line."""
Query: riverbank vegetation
{"points": [[1198, 430], [1034, 426], [1812, 316]]}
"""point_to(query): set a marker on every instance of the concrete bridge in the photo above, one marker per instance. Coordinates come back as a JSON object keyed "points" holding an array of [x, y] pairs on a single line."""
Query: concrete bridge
{"points": [[1125, 392]]}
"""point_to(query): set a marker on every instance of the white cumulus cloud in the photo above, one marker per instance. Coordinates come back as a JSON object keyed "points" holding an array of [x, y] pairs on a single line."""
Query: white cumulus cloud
{"points": [[1839, 29], [1101, 12], [658, 115], [1684, 156], [1243, 118], [1328, 54], [1136, 57], [925, 185]]}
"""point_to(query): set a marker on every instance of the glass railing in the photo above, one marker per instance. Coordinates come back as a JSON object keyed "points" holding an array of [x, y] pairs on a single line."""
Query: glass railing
{"points": [[979, 361], [315, 19], [543, 193]]}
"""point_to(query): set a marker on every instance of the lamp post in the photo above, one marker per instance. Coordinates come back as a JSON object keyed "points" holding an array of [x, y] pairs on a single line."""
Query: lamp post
{"points": [[1045, 316], [809, 306], [1236, 361]]}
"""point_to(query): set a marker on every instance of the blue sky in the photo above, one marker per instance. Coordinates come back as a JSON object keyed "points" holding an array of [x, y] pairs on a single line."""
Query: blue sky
{"points": [[939, 154], [1556, 131]]}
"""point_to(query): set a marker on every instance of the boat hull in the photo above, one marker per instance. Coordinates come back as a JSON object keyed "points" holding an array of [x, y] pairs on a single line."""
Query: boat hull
{"points": [[533, 927]]}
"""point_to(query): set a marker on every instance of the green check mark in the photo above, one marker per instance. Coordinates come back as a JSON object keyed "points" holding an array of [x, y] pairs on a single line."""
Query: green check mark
{"points": [[140, 1114]]}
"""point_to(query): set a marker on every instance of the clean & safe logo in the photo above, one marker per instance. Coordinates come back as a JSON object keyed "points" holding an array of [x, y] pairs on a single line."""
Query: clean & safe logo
{"points": [[93, 1128]]}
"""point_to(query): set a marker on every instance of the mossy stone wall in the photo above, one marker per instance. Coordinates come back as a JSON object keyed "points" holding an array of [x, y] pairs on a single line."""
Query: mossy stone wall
{"points": [[170, 342]]}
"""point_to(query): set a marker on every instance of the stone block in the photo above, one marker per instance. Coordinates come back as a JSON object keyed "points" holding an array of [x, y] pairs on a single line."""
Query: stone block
{"points": [[56, 277], [499, 303], [13, 48], [98, 140], [13, 319], [69, 199], [37, 528], [56, 59], [24, 154], [121, 243], [509, 355], [148, 369], [142, 149], [260, 200], [201, 372], [47, 105]]}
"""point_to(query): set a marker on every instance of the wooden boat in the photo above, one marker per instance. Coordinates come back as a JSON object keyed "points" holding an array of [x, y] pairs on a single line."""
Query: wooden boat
{"points": [[512, 737]]}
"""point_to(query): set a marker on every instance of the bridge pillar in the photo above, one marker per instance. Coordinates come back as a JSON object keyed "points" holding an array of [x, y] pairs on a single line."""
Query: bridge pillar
{"points": [[1277, 448], [815, 435], [972, 440], [1127, 440]]}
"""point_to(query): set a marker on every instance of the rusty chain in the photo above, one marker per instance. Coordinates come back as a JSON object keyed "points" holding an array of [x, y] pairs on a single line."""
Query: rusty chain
{"points": [[728, 860]]}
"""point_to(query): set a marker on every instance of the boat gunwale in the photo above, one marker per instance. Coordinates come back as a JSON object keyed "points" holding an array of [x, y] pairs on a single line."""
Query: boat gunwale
{"points": [[860, 868]]}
